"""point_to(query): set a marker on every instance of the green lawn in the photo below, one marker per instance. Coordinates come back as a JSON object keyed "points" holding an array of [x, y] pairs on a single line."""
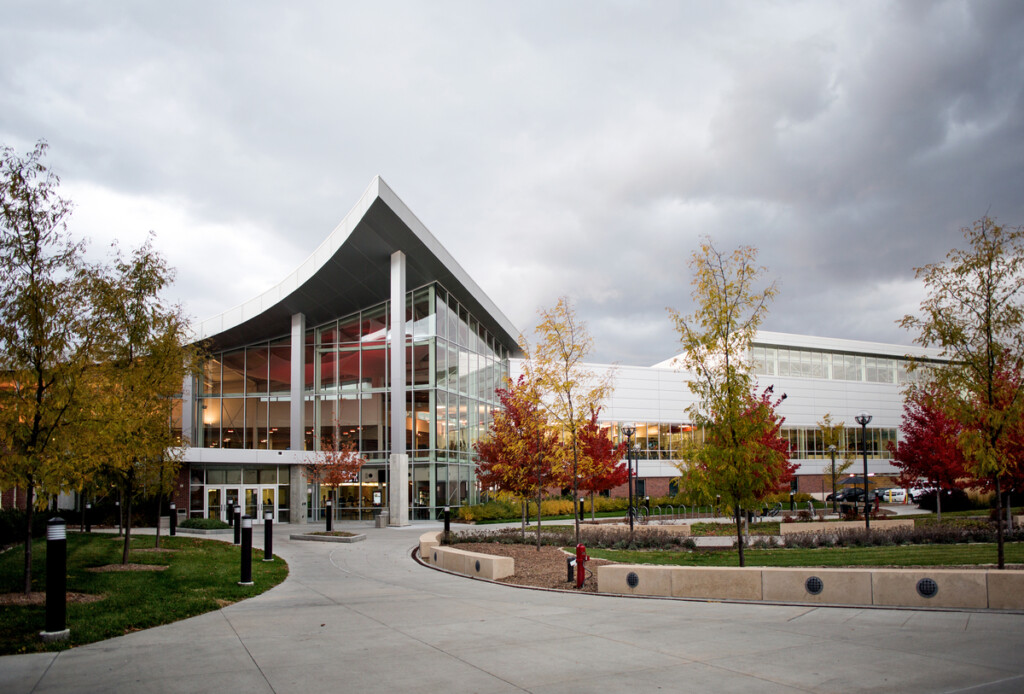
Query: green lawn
{"points": [[202, 576], [729, 529], [902, 555]]}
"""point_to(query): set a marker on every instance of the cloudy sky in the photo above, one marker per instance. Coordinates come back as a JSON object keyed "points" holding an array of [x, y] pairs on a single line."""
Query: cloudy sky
{"points": [[555, 148]]}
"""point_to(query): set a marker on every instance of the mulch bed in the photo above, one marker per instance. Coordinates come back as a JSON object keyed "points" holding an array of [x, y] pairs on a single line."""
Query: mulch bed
{"points": [[39, 598], [539, 569]]}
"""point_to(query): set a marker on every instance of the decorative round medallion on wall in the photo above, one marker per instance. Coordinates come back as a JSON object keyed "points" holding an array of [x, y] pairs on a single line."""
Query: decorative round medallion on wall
{"points": [[632, 579], [814, 585], [927, 588], [478, 566]]}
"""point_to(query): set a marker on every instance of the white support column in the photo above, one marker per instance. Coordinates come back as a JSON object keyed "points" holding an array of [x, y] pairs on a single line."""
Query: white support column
{"points": [[297, 380], [398, 468]]}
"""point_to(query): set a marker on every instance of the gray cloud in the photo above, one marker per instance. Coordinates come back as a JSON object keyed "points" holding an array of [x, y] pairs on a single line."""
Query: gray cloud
{"points": [[574, 148]]}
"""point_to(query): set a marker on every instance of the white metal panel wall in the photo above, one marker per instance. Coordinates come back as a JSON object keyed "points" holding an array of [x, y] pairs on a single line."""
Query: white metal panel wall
{"points": [[660, 394]]}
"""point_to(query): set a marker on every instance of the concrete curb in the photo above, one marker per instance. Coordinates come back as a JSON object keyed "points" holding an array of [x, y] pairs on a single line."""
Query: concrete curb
{"points": [[327, 538]]}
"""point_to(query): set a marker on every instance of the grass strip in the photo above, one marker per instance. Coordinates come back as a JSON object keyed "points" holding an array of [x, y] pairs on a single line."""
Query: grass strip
{"points": [[895, 556], [202, 576], [729, 529]]}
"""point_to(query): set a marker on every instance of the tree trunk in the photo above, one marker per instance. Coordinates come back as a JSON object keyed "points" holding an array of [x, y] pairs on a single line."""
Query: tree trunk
{"points": [[938, 504], [524, 504], [159, 507], [739, 536], [29, 510], [593, 506], [540, 492], [999, 526], [127, 525]]}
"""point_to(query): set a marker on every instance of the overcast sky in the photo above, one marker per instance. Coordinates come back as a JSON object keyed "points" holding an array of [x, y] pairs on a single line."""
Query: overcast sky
{"points": [[576, 148]]}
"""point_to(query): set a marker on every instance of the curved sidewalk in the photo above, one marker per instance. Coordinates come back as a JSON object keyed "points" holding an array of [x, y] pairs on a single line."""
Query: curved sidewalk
{"points": [[365, 615]]}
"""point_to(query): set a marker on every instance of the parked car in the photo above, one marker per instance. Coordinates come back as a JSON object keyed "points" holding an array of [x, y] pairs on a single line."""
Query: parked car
{"points": [[916, 492], [851, 494], [894, 496]]}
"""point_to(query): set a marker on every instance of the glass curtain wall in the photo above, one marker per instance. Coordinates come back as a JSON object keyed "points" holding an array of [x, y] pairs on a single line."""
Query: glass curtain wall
{"points": [[453, 366]]}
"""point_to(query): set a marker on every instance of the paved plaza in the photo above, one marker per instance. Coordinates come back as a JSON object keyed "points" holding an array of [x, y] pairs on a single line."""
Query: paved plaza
{"points": [[366, 616]]}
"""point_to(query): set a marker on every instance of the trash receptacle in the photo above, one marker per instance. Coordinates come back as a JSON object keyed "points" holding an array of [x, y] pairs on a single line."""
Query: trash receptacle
{"points": [[382, 519]]}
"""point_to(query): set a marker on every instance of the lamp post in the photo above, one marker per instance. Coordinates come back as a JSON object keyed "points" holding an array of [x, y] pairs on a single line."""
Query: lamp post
{"points": [[629, 431], [863, 418], [832, 452]]}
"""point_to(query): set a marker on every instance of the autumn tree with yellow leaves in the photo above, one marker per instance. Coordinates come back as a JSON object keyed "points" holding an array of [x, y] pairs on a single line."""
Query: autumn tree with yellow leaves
{"points": [[974, 313], [740, 456], [47, 335], [570, 390], [143, 358]]}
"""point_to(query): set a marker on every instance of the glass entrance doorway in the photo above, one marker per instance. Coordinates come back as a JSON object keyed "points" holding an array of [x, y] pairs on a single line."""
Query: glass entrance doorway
{"points": [[255, 502]]}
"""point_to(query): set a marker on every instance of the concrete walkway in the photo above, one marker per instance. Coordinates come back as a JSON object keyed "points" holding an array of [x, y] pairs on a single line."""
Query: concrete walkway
{"points": [[366, 616]]}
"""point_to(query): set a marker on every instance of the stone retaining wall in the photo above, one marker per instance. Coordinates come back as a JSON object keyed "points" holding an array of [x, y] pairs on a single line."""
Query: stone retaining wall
{"points": [[882, 587], [463, 562]]}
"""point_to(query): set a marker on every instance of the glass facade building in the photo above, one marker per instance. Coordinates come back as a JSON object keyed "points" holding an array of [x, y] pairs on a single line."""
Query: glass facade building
{"points": [[453, 366], [312, 365]]}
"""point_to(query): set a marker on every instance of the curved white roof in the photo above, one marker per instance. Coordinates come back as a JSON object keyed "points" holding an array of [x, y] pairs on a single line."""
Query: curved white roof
{"points": [[350, 271]]}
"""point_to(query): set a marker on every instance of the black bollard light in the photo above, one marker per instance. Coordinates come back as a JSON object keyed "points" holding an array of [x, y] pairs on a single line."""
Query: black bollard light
{"points": [[88, 518], [569, 564], [117, 506], [246, 526], [174, 519], [581, 509], [56, 581], [238, 524], [447, 523], [792, 503], [330, 516], [268, 536]]}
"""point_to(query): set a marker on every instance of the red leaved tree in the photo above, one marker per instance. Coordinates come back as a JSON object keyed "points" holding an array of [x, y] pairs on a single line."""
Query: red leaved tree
{"points": [[517, 454], [336, 464], [601, 466], [930, 446], [742, 458]]}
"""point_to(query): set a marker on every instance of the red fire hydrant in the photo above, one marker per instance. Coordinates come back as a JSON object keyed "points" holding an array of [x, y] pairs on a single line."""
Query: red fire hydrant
{"points": [[581, 569]]}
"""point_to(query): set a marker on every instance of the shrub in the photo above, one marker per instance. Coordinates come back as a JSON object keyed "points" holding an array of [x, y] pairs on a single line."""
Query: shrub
{"points": [[944, 533], [12, 525], [492, 510], [952, 500], [783, 498], [591, 536], [203, 524]]}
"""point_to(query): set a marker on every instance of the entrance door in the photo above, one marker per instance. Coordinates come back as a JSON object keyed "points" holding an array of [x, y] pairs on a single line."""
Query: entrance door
{"points": [[268, 502], [214, 507], [251, 509], [255, 501], [231, 497]]}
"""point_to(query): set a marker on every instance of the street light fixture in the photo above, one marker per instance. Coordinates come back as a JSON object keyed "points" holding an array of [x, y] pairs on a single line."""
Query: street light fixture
{"points": [[832, 452], [629, 431], [863, 418]]}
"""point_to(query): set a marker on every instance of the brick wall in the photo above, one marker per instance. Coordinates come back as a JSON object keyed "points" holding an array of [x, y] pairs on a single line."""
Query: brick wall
{"points": [[180, 495], [12, 498]]}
